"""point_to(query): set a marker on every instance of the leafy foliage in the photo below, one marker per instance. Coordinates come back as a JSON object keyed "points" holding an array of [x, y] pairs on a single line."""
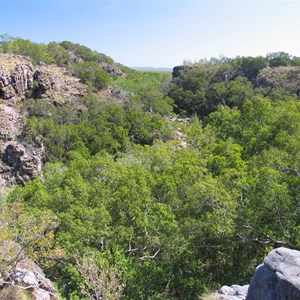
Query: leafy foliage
{"points": [[99, 126], [37, 52], [100, 282], [174, 218], [26, 232]]}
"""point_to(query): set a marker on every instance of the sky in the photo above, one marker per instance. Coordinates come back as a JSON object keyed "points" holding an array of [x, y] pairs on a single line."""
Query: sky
{"points": [[159, 33]]}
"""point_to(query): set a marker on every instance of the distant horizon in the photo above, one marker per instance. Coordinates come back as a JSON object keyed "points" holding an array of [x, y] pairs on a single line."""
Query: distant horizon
{"points": [[159, 33]]}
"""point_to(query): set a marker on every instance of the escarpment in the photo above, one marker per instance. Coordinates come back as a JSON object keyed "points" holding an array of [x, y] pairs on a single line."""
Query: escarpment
{"points": [[21, 81]]}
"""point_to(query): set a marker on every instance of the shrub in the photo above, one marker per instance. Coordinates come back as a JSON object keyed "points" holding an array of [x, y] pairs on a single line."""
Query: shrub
{"points": [[91, 74]]}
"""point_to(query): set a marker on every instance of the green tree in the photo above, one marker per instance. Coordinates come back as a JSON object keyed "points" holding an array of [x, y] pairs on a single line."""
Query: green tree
{"points": [[251, 66], [277, 59], [29, 232], [58, 53]]}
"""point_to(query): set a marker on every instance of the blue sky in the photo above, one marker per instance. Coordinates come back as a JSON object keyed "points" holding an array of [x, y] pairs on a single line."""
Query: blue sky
{"points": [[159, 32]]}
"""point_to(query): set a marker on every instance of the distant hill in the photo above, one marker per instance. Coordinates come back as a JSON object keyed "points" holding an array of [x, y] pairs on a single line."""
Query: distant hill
{"points": [[153, 69]]}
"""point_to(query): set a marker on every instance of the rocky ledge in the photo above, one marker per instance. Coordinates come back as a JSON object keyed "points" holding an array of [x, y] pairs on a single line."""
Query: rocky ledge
{"points": [[25, 280]]}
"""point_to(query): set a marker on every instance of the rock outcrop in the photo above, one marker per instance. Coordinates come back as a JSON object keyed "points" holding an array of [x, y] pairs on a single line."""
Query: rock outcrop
{"points": [[44, 84], [11, 123], [21, 164], [278, 278], [19, 79], [286, 78], [56, 84], [15, 83], [111, 69], [19, 161], [25, 280]]}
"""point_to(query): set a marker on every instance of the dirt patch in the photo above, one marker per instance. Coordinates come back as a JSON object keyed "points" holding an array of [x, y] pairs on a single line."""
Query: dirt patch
{"points": [[10, 61]]}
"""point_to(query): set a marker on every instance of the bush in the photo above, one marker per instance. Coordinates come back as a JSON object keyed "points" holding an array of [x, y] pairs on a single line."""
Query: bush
{"points": [[59, 54], [91, 74]]}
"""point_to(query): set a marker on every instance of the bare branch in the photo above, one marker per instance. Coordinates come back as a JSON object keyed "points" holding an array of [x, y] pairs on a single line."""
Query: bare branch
{"points": [[148, 256], [264, 238]]}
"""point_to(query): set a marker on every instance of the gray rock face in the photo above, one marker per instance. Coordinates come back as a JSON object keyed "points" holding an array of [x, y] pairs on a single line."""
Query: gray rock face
{"points": [[19, 80], [18, 162], [22, 79], [21, 160], [15, 83], [43, 85], [278, 278], [21, 163], [11, 123]]}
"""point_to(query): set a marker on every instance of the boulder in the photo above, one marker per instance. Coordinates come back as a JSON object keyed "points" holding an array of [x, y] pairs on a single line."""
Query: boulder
{"points": [[22, 78], [44, 84], [234, 292], [14, 154], [278, 278]]}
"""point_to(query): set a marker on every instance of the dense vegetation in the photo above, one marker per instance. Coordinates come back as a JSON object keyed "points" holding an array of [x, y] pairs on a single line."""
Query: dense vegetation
{"points": [[158, 206]]}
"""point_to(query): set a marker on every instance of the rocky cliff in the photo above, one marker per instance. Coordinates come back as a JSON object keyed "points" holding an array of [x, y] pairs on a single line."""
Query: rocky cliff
{"points": [[19, 161], [19, 81]]}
